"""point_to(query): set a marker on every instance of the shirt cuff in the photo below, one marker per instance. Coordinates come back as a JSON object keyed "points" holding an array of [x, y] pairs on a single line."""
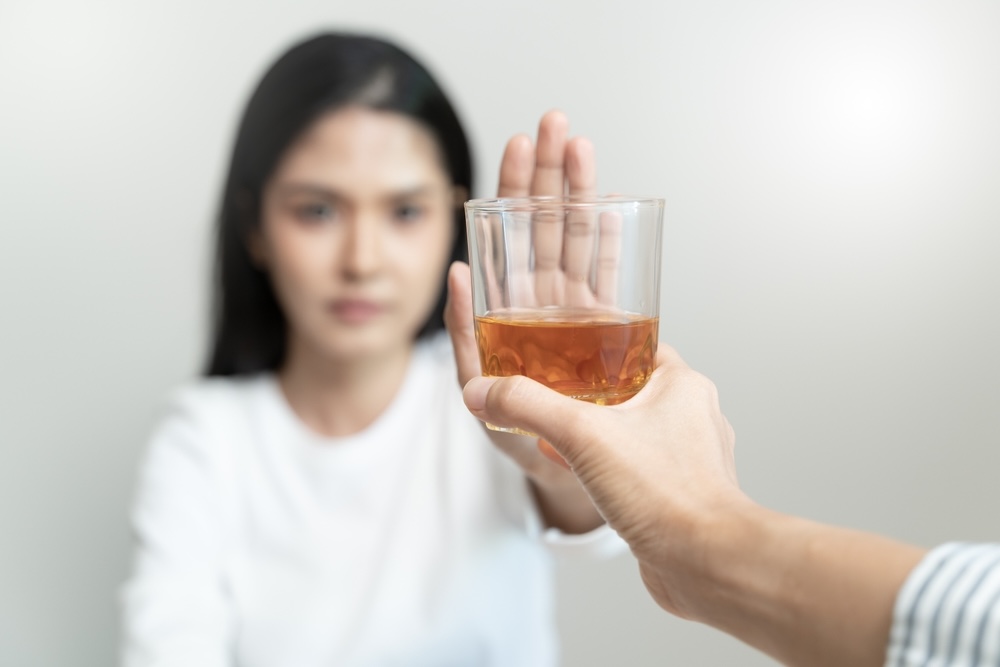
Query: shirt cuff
{"points": [[602, 542], [946, 609]]}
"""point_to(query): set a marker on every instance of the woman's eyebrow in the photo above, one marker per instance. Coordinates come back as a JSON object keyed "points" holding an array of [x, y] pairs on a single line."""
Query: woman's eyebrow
{"points": [[297, 188], [409, 193], [315, 189]]}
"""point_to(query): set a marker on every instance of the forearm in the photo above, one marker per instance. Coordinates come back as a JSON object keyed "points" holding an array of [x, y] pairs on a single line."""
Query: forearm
{"points": [[802, 592], [561, 500], [563, 503]]}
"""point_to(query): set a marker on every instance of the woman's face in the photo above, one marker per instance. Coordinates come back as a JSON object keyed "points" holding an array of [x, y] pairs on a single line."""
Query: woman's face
{"points": [[357, 225]]}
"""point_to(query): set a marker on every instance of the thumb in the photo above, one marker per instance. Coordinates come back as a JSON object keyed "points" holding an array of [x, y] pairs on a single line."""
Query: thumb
{"points": [[458, 321], [521, 402]]}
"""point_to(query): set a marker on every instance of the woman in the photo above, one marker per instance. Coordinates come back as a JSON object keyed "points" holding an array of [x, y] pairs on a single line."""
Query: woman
{"points": [[322, 497]]}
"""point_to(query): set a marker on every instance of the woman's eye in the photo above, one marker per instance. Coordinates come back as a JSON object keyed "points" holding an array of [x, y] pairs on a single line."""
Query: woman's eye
{"points": [[408, 212], [314, 212]]}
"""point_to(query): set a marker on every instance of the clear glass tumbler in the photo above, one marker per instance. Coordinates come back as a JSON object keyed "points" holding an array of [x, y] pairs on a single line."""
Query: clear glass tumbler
{"points": [[566, 290]]}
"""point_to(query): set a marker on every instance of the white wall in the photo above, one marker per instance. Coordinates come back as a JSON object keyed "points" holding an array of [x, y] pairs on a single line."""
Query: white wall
{"points": [[831, 170]]}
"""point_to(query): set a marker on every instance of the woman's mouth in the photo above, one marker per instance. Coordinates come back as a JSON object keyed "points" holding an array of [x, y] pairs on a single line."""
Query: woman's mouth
{"points": [[355, 311]]}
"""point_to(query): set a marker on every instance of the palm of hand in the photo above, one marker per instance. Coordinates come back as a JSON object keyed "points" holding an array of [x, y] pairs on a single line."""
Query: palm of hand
{"points": [[564, 249]]}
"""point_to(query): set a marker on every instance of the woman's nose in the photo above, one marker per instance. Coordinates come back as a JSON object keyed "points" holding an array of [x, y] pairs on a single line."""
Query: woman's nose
{"points": [[363, 249]]}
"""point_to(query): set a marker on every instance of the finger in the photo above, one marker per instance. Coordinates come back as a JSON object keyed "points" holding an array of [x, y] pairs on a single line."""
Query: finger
{"points": [[581, 167], [516, 167], [547, 230], [549, 174], [459, 322], [516, 170], [518, 401], [581, 224], [547, 235], [518, 229], [578, 255], [609, 250]]}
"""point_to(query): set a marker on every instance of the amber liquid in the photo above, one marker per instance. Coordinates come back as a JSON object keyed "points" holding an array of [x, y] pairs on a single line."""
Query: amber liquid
{"points": [[601, 359]]}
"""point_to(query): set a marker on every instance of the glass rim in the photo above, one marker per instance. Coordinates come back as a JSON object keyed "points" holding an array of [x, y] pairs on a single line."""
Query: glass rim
{"points": [[500, 204]]}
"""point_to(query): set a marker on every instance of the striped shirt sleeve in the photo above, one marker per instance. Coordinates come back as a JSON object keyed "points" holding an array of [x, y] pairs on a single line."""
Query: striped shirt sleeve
{"points": [[948, 611]]}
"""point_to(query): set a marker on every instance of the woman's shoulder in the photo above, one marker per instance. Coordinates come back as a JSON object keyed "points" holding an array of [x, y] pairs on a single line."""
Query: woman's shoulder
{"points": [[200, 420], [219, 389], [214, 402], [210, 394]]}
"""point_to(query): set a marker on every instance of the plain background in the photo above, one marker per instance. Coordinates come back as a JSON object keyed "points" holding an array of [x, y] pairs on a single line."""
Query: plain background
{"points": [[831, 171]]}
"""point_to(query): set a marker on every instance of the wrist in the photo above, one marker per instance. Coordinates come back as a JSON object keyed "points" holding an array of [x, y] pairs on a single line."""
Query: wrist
{"points": [[715, 557], [754, 576], [800, 591]]}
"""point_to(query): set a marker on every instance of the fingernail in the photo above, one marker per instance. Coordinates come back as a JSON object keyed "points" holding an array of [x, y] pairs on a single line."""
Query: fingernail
{"points": [[475, 392]]}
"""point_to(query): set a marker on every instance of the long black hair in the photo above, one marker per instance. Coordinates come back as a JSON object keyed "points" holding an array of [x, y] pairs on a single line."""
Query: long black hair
{"points": [[315, 76]]}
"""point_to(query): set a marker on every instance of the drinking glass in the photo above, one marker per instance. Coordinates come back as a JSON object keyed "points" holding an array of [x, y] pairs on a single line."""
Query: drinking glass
{"points": [[566, 291]]}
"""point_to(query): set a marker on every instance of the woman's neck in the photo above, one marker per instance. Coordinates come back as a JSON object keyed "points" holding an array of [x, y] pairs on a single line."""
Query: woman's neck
{"points": [[340, 397]]}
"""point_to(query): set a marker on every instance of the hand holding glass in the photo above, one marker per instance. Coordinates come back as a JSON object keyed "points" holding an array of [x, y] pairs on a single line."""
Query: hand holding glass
{"points": [[566, 291]]}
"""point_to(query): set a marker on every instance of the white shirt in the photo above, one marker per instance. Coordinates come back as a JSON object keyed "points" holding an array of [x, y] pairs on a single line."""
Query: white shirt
{"points": [[414, 542], [948, 611]]}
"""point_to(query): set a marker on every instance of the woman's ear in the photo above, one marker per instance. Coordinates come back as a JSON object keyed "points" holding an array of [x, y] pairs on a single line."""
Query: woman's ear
{"points": [[257, 249], [253, 239]]}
